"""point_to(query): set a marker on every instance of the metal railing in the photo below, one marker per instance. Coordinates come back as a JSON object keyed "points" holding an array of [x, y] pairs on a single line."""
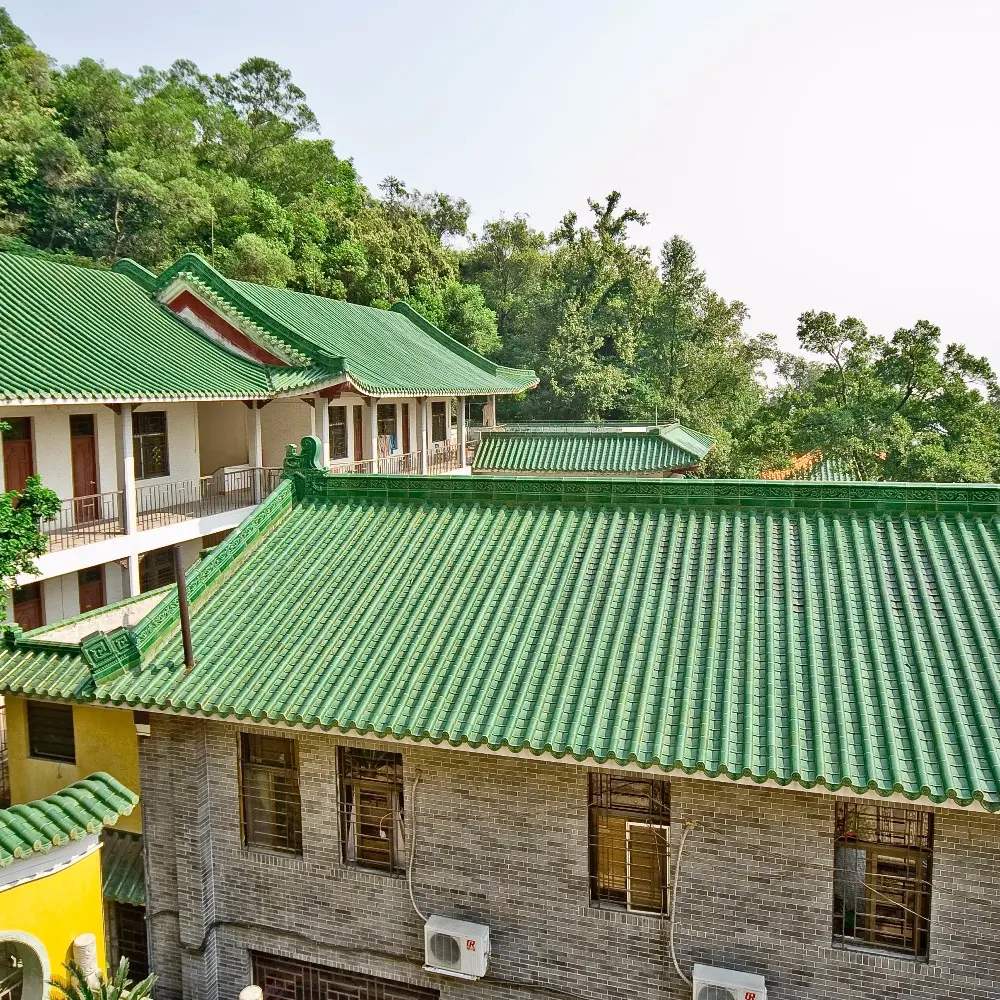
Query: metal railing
{"points": [[387, 465], [168, 503], [442, 458], [83, 520]]}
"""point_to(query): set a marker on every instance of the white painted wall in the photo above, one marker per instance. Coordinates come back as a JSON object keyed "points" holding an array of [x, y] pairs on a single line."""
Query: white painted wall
{"points": [[223, 435], [283, 422], [182, 441], [61, 594]]}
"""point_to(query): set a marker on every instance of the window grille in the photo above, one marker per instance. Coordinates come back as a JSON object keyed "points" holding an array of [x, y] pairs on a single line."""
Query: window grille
{"points": [[269, 785], [127, 933], [287, 979], [11, 971], [338, 431], [149, 444], [50, 732], [387, 420], [156, 569], [629, 842], [882, 877], [439, 421], [371, 813]]}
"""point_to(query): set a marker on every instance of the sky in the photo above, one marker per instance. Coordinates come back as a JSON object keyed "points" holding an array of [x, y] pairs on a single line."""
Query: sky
{"points": [[819, 154]]}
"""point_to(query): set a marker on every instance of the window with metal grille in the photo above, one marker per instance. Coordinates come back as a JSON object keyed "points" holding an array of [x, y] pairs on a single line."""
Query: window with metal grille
{"points": [[338, 431], [50, 732], [629, 842], [127, 938], [371, 812], [156, 569], [439, 421], [269, 792], [882, 877], [288, 979], [386, 419], [149, 444]]}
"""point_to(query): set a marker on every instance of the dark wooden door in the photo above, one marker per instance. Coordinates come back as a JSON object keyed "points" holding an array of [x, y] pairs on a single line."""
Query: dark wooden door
{"points": [[18, 457], [28, 607], [91, 586], [83, 446], [359, 434], [406, 429]]}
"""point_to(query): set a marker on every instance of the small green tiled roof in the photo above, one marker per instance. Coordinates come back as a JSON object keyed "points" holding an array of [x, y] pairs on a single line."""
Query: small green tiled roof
{"points": [[813, 634], [83, 808], [72, 333], [383, 352], [122, 868], [616, 452]]}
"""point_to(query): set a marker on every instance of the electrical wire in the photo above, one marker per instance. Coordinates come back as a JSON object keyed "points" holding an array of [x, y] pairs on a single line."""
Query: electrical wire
{"points": [[413, 847], [673, 902]]}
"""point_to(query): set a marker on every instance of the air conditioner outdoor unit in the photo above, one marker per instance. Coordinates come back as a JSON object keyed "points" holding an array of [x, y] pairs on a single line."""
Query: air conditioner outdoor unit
{"points": [[456, 947], [726, 984]]}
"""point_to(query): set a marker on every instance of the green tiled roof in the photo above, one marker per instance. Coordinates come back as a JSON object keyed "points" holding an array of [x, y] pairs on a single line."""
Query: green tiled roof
{"points": [[83, 808], [71, 333], [814, 634], [583, 451], [382, 351], [122, 867]]}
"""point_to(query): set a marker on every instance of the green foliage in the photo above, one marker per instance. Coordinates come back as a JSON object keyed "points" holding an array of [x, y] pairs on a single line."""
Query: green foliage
{"points": [[20, 514], [119, 987], [96, 164]]}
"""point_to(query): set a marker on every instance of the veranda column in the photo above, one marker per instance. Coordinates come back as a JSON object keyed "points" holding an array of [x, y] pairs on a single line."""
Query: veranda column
{"points": [[373, 435], [490, 412], [422, 443], [255, 451], [462, 433], [323, 419], [126, 483]]}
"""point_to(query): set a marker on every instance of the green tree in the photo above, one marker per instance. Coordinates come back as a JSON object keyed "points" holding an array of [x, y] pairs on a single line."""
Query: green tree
{"points": [[20, 515], [697, 363], [119, 987]]}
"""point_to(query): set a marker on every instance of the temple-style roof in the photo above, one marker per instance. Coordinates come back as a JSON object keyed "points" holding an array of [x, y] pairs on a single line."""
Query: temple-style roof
{"points": [[70, 333], [818, 635], [814, 467], [566, 449], [83, 808]]}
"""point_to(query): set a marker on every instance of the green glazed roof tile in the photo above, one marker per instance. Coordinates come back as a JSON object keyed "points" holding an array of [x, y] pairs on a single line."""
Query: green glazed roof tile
{"points": [[599, 452], [83, 808], [815, 634], [73, 333], [122, 868], [382, 351]]}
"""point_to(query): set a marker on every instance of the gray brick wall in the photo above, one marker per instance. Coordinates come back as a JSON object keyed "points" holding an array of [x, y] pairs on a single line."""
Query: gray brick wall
{"points": [[503, 841]]}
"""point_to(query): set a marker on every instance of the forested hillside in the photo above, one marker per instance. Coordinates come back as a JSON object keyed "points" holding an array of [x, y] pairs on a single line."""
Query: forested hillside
{"points": [[96, 165]]}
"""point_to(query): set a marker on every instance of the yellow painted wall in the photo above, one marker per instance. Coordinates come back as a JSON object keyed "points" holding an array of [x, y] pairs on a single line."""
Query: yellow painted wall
{"points": [[105, 741], [57, 908]]}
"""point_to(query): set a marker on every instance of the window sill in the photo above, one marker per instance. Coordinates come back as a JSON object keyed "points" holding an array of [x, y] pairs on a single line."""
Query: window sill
{"points": [[376, 873], [276, 859], [624, 917], [861, 951]]}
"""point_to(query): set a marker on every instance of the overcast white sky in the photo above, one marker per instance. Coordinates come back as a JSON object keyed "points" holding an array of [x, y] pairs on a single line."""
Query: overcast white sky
{"points": [[820, 154]]}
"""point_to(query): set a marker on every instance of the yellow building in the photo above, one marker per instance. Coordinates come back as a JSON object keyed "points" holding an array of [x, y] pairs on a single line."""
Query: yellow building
{"points": [[51, 883]]}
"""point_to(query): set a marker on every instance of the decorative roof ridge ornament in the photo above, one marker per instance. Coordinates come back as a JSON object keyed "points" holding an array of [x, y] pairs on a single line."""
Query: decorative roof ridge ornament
{"points": [[303, 467]]}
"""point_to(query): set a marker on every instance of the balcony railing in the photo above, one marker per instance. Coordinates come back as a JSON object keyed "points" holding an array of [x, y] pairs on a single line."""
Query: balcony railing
{"points": [[443, 458], [83, 520], [168, 503]]}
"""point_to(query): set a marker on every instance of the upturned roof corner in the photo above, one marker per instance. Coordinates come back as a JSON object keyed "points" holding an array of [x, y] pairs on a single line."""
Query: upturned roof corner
{"points": [[304, 465]]}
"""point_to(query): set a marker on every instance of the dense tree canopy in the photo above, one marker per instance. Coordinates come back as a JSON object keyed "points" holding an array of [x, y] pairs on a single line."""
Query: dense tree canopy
{"points": [[96, 164]]}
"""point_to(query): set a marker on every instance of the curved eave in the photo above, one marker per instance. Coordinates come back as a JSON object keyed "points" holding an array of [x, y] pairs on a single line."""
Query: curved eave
{"points": [[949, 798], [137, 398], [365, 388]]}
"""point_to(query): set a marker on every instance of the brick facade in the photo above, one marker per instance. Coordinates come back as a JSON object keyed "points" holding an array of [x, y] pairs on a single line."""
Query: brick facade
{"points": [[503, 841]]}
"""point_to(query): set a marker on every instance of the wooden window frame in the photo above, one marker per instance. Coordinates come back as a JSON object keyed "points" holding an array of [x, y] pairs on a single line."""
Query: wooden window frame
{"points": [[285, 836], [165, 558], [142, 437], [43, 713], [377, 774], [289, 977], [884, 836], [338, 433], [618, 807], [439, 407]]}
